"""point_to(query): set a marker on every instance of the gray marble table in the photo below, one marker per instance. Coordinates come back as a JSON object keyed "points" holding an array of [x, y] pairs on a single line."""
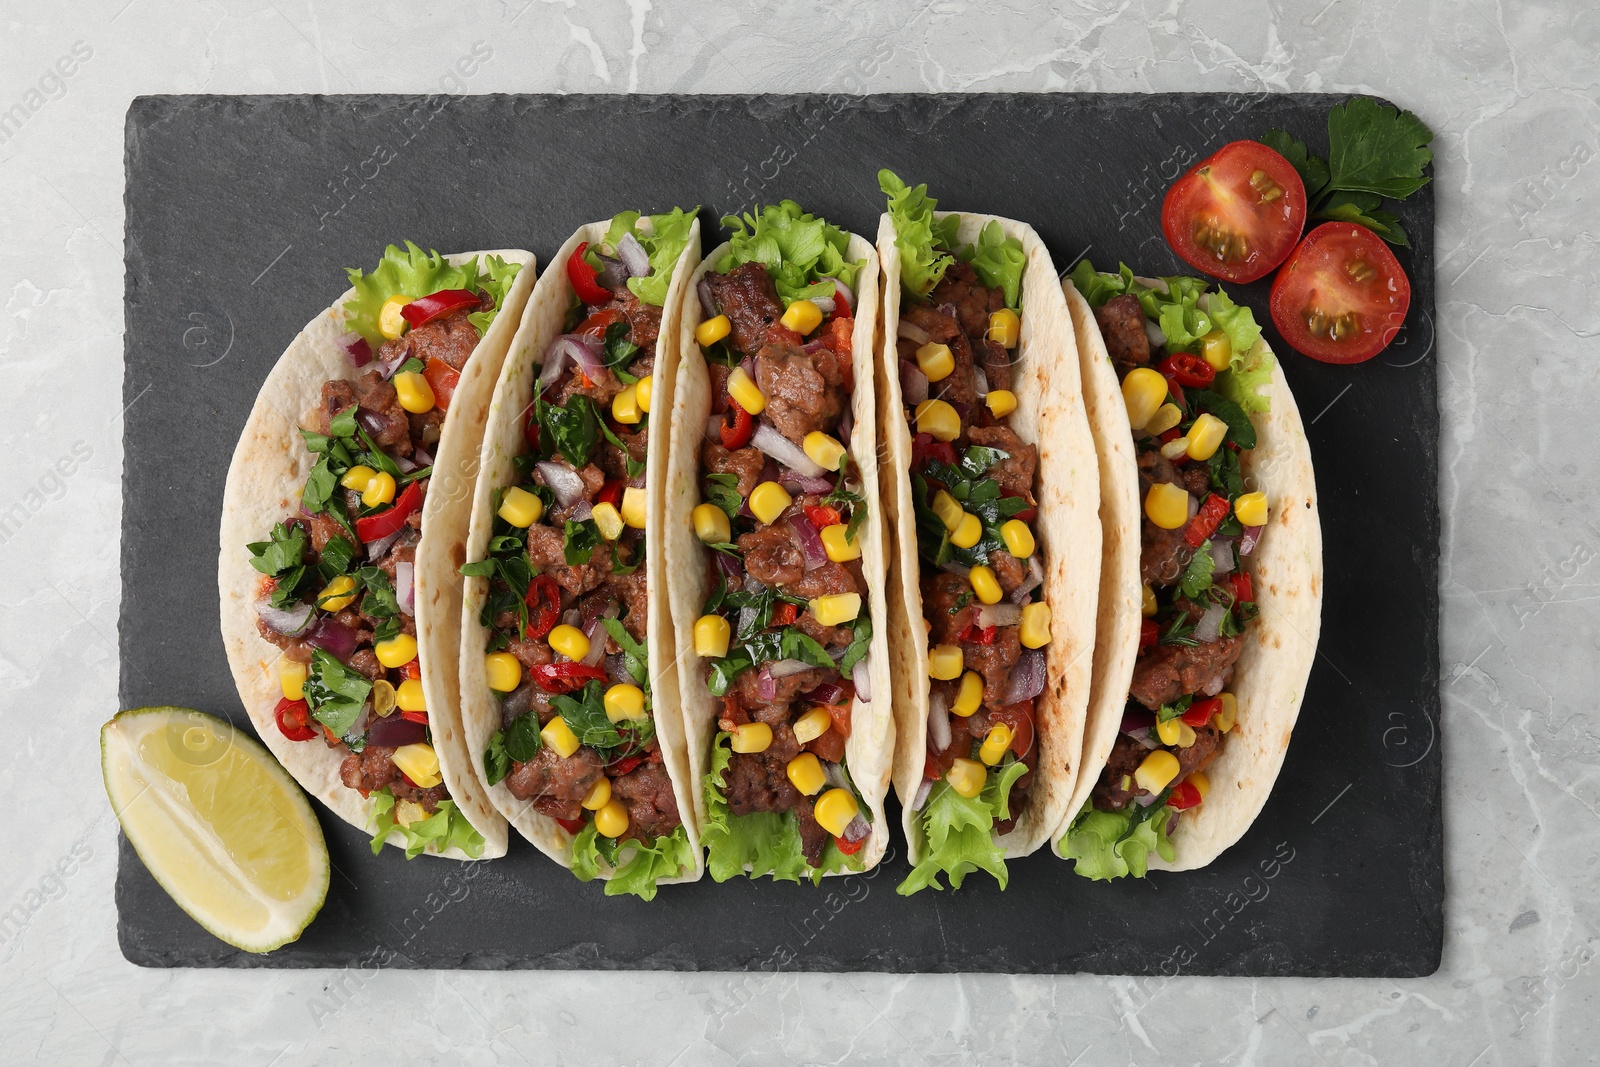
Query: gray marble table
{"points": [[1510, 90]]}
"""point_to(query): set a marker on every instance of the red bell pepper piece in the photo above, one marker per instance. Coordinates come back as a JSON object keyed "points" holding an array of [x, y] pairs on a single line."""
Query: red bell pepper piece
{"points": [[1172, 435], [978, 635], [924, 448], [595, 325], [1183, 797], [624, 766], [611, 493], [1187, 369], [784, 613], [1242, 589], [412, 670], [544, 605], [566, 677], [743, 427], [571, 826], [829, 747], [840, 713], [850, 848], [442, 378], [1206, 520], [584, 279], [424, 309], [372, 528], [1149, 633], [415, 716], [822, 516], [294, 719], [1200, 712]]}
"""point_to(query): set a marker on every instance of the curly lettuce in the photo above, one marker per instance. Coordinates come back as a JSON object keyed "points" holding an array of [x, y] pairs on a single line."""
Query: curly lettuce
{"points": [[414, 273], [1104, 845], [446, 828], [636, 867], [924, 241], [495, 279], [799, 250], [958, 832], [663, 239], [999, 261]]}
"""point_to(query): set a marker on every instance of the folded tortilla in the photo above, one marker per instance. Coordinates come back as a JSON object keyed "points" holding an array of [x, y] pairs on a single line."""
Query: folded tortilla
{"points": [[1050, 414], [269, 468], [1286, 570]]}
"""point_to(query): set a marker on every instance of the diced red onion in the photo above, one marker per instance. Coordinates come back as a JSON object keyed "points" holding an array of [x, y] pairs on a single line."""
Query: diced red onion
{"points": [[949, 312], [356, 346], [766, 684], [387, 367], [617, 668], [825, 304], [999, 614], [1222, 555], [422, 457], [981, 379], [1194, 504], [826, 693], [517, 702], [596, 633], [938, 721], [913, 383], [405, 464], [783, 668], [861, 674], [913, 333], [405, 587], [291, 622], [1027, 677], [785, 451], [578, 348], [394, 731], [859, 828], [729, 566], [810, 542], [1146, 738], [333, 638], [1214, 686], [613, 275], [571, 617], [1146, 800], [371, 421], [1210, 623], [1248, 539], [633, 256], [804, 484], [833, 774], [714, 428], [748, 365], [563, 481], [922, 794], [1153, 332], [582, 512], [708, 301], [1135, 718], [375, 549], [841, 290], [1034, 579]]}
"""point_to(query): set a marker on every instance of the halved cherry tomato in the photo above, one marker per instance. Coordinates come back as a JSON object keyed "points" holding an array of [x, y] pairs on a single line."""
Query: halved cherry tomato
{"points": [[442, 378], [372, 528], [424, 309], [1019, 717], [822, 516], [1186, 368], [583, 278], [415, 716], [1200, 712], [784, 613], [1237, 213], [1342, 296], [850, 848], [595, 325], [1242, 590], [1206, 520], [840, 713], [738, 433], [1149, 633], [838, 335], [611, 492], [544, 605], [294, 719], [566, 677], [830, 746], [924, 448], [1183, 797]]}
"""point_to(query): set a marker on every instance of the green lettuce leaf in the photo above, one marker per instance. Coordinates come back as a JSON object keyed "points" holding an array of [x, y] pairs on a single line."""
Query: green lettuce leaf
{"points": [[664, 243], [797, 249], [765, 841], [414, 273], [641, 866], [924, 241], [958, 831], [446, 828], [1248, 372], [495, 279], [999, 261], [1104, 845]]}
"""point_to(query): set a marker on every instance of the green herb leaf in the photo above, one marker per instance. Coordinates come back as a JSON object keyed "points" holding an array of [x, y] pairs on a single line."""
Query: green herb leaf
{"points": [[722, 490], [1197, 576], [573, 428], [579, 544], [496, 763], [335, 693], [1376, 149], [1312, 169], [523, 741]]}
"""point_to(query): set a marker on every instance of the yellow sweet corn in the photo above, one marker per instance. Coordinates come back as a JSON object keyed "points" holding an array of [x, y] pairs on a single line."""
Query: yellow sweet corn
{"points": [[1034, 630], [826, 452], [408, 696], [612, 819], [802, 317], [966, 777], [520, 507], [945, 662], [1175, 732], [751, 737], [711, 331], [415, 394], [1158, 769], [624, 702], [746, 392], [1217, 350], [383, 703], [357, 477], [1147, 601], [643, 389], [1143, 391], [337, 594], [711, 636], [1178, 446], [1002, 402], [625, 406], [635, 507], [1201, 783], [397, 651], [1166, 417], [1228, 714], [504, 670], [1206, 436], [939, 419], [812, 725], [970, 696], [768, 500], [390, 322], [292, 676], [936, 361], [950, 512], [379, 490], [985, 585], [1017, 537], [836, 609], [598, 795], [805, 774], [835, 809], [840, 547], [420, 764], [570, 641], [1167, 505], [968, 532], [559, 736], [1251, 509], [1005, 327], [711, 524], [994, 746], [608, 520]]}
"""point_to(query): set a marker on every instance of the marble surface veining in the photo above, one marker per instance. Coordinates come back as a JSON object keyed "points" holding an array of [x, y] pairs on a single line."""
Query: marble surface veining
{"points": [[1510, 90]]}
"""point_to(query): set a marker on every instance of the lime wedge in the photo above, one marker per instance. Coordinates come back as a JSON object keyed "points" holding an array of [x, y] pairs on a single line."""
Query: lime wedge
{"points": [[219, 823]]}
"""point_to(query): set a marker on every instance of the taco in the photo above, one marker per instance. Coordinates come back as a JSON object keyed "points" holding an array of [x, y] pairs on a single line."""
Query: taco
{"points": [[569, 699], [343, 508], [992, 488], [1207, 664], [774, 544]]}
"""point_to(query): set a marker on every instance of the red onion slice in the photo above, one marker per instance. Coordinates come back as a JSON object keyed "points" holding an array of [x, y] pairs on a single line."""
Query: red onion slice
{"points": [[633, 256], [729, 566], [405, 589], [1153, 332], [613, 275], [913, 333], [826, 693], [805, 485], [826, 303], [337, 640], [1214, 686], [422, 457], [999, 614], [841, 290], [859, 828], [1034, 579], [1146, 738], [785, 451], [377, 548], [1146, 800], [1249, 539], [766, 684], [714, 428], [563, 481], [580, 349], [1027, 677], [596, 633], [810, 542], [938, 721], [922, 794], [783, 668], [708, 300], [394, 731], [387, 366], [1222, 556], [861, 674], [517, 702], [292, 622], [357, 347], [913, 383]]}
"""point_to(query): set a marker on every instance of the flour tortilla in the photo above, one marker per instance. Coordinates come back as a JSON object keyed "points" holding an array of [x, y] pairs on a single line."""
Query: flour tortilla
{"points": [[1050, 414], [269, 469], [1270, 678], [870, 747], [503, 441]]}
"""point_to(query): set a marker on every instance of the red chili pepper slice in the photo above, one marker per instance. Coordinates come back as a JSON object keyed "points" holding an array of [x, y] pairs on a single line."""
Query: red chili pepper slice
{"points": [[571, 826], [978, 635], [1188, 369], [624, 766], [1149, 633], [566, 677], [784, 613], [1183, 797], [850, 848], [415, 716], [822, 516], [583, 278], [544, 604], [1175, 389], [424, 309], [1242, 589], [1200, 713], [611, 493], [372, 528], [743, 427], [412, 670], [294, 719], [1206, 520], [442, 378], [595, 325]]}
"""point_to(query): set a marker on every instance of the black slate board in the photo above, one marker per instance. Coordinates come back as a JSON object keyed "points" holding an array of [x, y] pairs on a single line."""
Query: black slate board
{"points": [[241, 212]]}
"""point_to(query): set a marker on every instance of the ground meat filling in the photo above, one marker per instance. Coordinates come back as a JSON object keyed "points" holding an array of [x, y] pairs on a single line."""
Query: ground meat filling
{"points": [[556, 786], [747, 296]]}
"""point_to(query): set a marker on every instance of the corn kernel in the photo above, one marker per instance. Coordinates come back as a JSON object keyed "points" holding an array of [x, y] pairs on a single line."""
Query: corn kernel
{"points": [[1034, 630], [397, 651], [1227, 715], [408, 696], [936, 361], [390, 322], [745, 392], [836, 609], [559, 736], [995, 744], [711, 524], [835, 810], [1005, 327], [1175, 732], [1201, 783], [1206, 436], [1251, 508], [768, 500], [608, 520], [840, 547], [970, 696], [625, 406], [1017, 537], [805, 773], [337, 594], [711, 331], [504, 671], [711, 636], [1147, 601], [420, 764], [802, 317], [1158, 768], [612, 819], [939, 419], [1167, 505], [1217, 350], [968, 532], [826, 452], [380, 489], [985, 585], [945, 662], [1143, 391], [383, 702], [569, 641], [520, 507], [949, 511], [1178, 446], [357, 477], [751, 737], [624, 702], [635, 507], [643, 389], [598, 795], [1002, 402], [812, 725], [415, 394], [966, 777], [1166, 417], [292, 678]]}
